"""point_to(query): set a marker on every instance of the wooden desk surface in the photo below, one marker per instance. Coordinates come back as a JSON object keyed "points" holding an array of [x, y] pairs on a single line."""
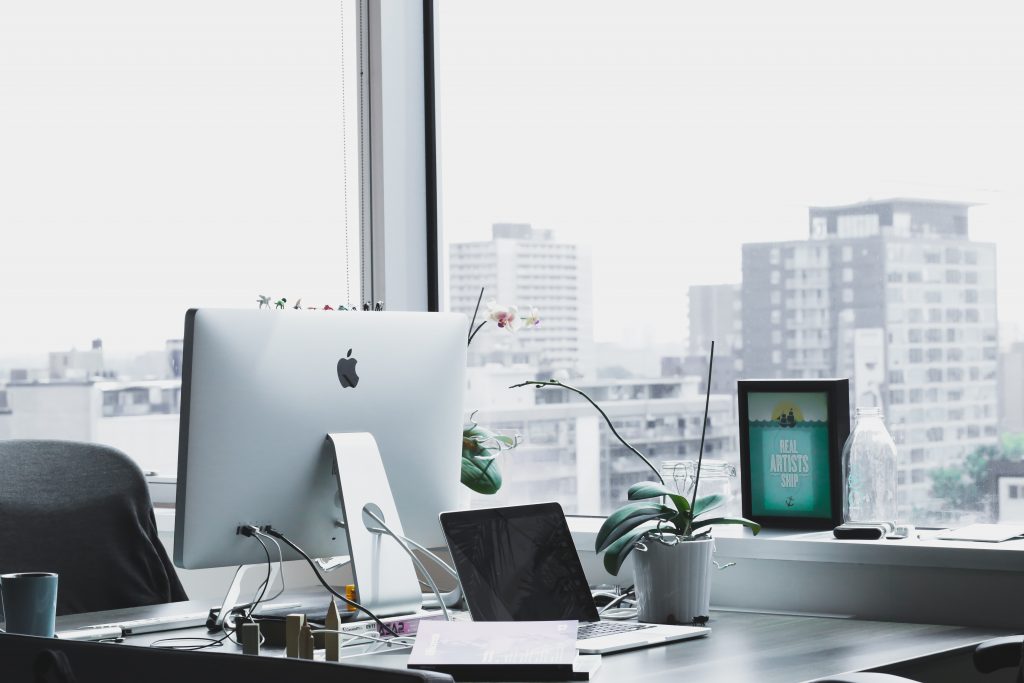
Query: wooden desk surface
{"points": [[743, 646]]}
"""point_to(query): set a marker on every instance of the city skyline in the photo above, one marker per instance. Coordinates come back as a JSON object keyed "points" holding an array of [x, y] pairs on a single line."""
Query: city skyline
{"points": [[156, 314], [667, 134]]}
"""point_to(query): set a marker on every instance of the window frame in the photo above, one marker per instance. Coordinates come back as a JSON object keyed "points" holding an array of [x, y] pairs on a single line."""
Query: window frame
{"points": [[934, 562]]}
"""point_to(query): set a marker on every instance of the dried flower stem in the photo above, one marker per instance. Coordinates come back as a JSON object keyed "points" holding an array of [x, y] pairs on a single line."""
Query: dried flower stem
{"points": [[472, 332], [555, 383], [703, 430]]}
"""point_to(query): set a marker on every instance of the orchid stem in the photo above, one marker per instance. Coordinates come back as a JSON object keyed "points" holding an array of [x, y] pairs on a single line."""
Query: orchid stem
{"points": [[703, 430], [555, 383], [472, 333]]}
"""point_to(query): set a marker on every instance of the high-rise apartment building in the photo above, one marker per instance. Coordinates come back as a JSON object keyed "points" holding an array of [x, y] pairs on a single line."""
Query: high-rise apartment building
{"points": [[896, 296], [715, 315], [525, 266], [1011, 385]]}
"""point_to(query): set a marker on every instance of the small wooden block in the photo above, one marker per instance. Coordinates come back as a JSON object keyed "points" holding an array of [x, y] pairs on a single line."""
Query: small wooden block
{"points": [[332, 649], [250, 639], [292, 628], [305, 642]]}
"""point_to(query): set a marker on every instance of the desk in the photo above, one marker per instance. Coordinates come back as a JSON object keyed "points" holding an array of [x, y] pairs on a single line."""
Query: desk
{"points": [[743, 646]]}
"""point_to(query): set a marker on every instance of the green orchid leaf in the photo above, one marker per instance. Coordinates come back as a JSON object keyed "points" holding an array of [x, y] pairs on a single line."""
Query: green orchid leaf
{"points": [[753, 526], [648, 489], [480, 450], [618, 551], [707, 503], [629, 517], [652, 489], [480, 475]]}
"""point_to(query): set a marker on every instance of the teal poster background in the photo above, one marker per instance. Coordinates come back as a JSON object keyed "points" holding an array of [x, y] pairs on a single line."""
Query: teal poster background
{"points": [[789, 460]]}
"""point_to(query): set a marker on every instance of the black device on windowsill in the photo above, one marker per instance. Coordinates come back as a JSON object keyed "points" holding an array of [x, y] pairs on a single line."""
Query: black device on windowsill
{"points": [[863, 531]]}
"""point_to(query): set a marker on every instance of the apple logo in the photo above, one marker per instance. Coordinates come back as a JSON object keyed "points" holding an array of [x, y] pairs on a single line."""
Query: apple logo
{"points": [[347, 371]]}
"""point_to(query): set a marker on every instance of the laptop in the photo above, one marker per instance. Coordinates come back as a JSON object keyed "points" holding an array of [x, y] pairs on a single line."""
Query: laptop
{"points": [[519, 563]]}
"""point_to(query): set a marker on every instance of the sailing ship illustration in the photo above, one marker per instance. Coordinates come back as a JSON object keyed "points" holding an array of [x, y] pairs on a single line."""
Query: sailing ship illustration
{"points": [[787, 419]]}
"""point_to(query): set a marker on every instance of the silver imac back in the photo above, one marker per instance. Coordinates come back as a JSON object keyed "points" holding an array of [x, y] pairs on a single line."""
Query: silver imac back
{"points": [[262, 389]]}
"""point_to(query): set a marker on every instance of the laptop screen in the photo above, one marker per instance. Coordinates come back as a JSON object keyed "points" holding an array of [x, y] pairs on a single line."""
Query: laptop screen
{"points": [[518, 564]]}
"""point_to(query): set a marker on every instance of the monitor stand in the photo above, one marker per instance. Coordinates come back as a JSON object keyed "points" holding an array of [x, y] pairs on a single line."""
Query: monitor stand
{"points": [[385, 578], [383, 573]]}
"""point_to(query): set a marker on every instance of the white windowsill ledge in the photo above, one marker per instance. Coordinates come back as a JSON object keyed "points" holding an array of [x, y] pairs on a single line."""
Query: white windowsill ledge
{"points": [[737, 542], [916, 580]]}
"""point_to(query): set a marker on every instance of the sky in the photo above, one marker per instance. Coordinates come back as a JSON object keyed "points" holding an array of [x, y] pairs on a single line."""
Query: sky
{"points": [[666, 134], [163, 156]]}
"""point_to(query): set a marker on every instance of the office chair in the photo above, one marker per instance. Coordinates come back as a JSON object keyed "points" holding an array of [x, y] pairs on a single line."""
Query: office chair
{"points": [[83, 511], [865, 677], [1000, 653], [989, 656]]}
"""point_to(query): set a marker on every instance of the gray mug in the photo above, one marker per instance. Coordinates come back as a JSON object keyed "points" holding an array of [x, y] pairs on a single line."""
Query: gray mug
{"points": [[30, 603]]}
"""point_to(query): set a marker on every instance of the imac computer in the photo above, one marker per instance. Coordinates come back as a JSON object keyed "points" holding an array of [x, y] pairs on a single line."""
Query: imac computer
{"points": [[261, 393]]}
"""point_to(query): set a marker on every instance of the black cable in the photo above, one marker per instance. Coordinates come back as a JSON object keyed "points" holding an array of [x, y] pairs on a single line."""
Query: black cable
{"points": [[228, 629], [251, 606], [351, 603]]}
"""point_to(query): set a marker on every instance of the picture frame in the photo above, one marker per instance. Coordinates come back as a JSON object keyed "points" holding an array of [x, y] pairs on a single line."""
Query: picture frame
{"points": [[792, 434]]}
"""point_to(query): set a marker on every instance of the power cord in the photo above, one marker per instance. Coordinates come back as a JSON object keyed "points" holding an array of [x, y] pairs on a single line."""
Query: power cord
{"points": [[405, 546], [612, 610], [246, 611], [270, 531]]}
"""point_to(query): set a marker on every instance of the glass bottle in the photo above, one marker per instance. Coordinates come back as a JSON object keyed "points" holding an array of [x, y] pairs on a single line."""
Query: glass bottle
{"points": [[716, 476], [869, 470]]}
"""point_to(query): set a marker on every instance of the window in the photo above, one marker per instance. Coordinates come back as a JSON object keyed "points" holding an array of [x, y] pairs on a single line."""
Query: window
{"points": [[157, 158], [627, 133]]}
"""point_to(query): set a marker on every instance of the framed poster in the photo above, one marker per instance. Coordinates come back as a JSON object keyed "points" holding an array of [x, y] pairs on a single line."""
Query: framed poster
{"points": [[791, 442]]}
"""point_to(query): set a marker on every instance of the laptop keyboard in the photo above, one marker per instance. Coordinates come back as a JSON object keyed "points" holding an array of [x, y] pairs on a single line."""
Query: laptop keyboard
{"points": [[596, 629]]}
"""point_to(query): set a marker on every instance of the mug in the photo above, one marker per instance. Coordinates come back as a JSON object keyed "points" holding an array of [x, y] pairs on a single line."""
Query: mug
{"points": [[30, 603]]}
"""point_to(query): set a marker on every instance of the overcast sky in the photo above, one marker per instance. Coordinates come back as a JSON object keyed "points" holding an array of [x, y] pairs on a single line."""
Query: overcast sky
{"points": [[666, 134], [152, 161]]}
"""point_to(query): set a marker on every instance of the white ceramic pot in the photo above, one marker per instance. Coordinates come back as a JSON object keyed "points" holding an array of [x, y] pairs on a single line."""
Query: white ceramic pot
{"points": [[673, 581]]}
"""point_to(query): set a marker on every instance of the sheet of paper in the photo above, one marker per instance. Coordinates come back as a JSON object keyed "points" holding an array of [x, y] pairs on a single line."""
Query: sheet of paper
{"points": [[986, 533]]}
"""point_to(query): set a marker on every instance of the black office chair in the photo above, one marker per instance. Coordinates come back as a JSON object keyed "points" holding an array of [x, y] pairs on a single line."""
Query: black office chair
{"points": [[990, 656], [83, 511], [866, 677], [1000, 653]]}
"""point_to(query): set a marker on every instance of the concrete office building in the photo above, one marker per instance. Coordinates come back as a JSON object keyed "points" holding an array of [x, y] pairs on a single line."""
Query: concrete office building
{"points": [[1011, 389], [895, 295], [140, 418], [568, 453], [78, 365], [525, 266], [715, 314]]}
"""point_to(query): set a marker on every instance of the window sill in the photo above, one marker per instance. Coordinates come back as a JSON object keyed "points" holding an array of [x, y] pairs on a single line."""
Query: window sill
{"points": [[917, 580]]}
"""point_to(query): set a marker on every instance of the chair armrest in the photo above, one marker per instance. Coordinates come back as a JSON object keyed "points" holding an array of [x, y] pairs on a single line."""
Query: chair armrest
{"points": [[864, 677], [998, 653]]}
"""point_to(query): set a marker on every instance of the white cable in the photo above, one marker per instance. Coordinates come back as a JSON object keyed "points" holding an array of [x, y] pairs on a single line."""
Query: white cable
{"points": [[430, 581], [280, 563], [620, 613], [399, 640], [615, 600], [416, 561], [444, 565], [452, 597]]}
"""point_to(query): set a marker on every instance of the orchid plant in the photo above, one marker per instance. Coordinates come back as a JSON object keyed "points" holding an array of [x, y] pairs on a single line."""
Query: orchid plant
{"points": [[656, 513], [482, 446]]}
